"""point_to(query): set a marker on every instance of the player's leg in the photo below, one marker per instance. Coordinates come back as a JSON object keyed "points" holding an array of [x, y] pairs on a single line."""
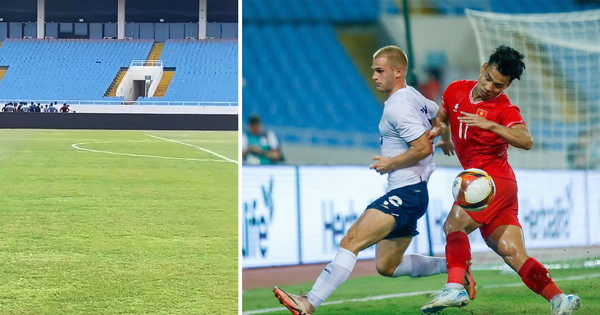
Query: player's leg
{"points": [[507, 241], [504, 235], [391, 261], [371, 227], [458, 255], [458, 225], [393, 215]]}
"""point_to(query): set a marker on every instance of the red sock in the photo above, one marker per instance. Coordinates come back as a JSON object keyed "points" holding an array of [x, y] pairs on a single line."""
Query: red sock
{"points": [[458, 252], [537, 278]]}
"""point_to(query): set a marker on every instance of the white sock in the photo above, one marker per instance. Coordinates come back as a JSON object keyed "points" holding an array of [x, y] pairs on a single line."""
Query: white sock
{"points": [[416, 265], [454, 286], [332, 277]]}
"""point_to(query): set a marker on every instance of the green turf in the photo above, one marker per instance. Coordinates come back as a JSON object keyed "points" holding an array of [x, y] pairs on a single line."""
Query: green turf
{"points": [[490, 300], [94, 233]]}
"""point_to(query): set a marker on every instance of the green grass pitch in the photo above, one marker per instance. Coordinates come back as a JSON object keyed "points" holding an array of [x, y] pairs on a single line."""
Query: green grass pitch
{"points": [[497, 294], [118, 222]]}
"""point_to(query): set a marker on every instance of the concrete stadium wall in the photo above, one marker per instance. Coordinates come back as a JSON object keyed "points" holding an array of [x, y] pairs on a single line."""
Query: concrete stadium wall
{"points": [[451, 35], [153, 109], [111, 121], [134, 73]]}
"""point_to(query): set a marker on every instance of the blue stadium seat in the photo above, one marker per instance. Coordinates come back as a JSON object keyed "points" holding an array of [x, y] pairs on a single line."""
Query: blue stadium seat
{"points": [[84, 69], [338, 11], [64, 69], [205, 70], [325, 93]]}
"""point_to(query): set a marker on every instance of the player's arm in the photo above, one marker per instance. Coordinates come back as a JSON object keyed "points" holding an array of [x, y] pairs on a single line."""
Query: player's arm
{"points": [[419, 149], [442, 129], [517, 135], [440, 125]]}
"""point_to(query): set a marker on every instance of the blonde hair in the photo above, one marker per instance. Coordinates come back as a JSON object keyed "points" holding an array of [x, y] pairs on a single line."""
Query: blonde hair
{"points": [[395, 56]]}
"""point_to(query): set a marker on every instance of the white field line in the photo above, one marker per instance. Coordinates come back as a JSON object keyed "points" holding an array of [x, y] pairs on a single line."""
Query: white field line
{"points": [[194, 146], [133, 141], [399, 295], [77, 146]]}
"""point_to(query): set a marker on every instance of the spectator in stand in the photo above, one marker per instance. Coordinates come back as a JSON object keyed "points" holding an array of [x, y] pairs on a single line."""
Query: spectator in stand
{"points": [[432, 88], [45, 110], [32, 107], [9, 108], [260, 147], [65, 108], [38, 108], [52, 108]]}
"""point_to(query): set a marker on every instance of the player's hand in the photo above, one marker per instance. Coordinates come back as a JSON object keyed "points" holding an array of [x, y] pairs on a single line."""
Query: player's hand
{"points": [[383, 165], [473, 120], [431, 135], [446, 145]]}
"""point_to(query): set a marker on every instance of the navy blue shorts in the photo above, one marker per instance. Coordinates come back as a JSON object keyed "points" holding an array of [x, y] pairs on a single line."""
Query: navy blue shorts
{"points": [[407, 204]]}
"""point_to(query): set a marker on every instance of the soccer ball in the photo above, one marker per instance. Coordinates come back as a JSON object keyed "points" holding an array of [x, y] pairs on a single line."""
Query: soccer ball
{"points": [[473, 189]]}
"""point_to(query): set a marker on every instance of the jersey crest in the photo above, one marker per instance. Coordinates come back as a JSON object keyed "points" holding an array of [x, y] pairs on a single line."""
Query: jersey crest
{"points": [[482, 112]]}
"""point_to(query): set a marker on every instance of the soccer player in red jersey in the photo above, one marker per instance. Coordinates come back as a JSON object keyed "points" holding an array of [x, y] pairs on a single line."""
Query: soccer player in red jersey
{"points": [[483, 123]]}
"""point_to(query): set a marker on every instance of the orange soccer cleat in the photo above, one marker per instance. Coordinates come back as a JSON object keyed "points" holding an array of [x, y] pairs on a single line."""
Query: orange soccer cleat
{"points": [[294, 303], [470, 282]]}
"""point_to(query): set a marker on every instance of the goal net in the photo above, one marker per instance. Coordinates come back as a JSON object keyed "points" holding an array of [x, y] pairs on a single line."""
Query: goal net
{"points": [[559, 93]]}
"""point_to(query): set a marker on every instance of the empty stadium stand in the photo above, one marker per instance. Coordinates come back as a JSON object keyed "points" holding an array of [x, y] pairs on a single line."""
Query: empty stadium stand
{"points": [[338, 11], [61, 69], [299, 76], [205, 70], [92, 69]]}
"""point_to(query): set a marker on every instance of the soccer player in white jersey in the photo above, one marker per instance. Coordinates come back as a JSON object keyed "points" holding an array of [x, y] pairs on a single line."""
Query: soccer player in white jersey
{"points": [[390, 221]]}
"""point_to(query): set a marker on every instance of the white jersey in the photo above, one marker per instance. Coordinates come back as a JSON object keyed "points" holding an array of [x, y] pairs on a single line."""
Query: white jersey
{"points": [[406, 117]]}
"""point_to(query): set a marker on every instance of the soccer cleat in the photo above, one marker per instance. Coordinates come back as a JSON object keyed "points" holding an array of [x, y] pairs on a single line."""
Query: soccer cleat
{"points": [[566, 305], [470, 282], [293, 302], [446, 298]]}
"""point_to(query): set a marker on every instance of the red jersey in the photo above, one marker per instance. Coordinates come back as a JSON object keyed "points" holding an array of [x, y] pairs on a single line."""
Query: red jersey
{"points": [[475, 147]]}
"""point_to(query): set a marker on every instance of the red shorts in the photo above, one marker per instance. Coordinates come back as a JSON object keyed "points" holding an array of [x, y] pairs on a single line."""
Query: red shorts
{"points": [[503, 210]]}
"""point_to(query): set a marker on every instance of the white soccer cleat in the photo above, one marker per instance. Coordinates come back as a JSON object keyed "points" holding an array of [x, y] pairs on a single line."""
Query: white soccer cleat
{"points": [[566, 305], [446, 298]]}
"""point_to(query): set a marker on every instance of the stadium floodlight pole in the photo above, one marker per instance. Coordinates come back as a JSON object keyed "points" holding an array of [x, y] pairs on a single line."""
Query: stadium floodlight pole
{"points": [[411, 77]]}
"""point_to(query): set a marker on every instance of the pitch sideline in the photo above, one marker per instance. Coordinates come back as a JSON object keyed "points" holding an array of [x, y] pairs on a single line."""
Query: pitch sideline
{"points": [[399, 295], [77, 146]]}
